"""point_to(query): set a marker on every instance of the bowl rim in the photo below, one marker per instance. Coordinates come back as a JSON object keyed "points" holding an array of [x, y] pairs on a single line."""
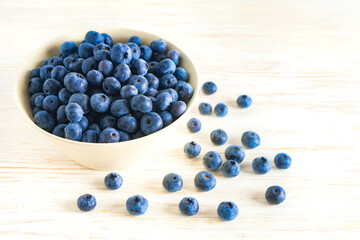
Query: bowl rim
{"points": [[21, 73]]}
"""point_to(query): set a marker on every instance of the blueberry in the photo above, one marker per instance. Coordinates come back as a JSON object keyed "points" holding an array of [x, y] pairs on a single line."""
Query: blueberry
{"points": [[221, 110], [51, 86], [172, 182], [32, 98], [139, 82], [141, 103], [124, 136], [95, 127], [106, 67], [174, 56], [111, 86], [218, 137], [157, 57], [89, 136], [135, 39], [94, 37], [61, 115], [107, 39], [127, 124], [121, 53], [101, 55], [99, 102], [205, 181], [68, 47], [163, 101], [35, 110], [59, 130], [55, 61], [58, 73], [107, 121], [194, 125], [275, 195], [145, 52], [75, 83], [137, 205], [67, 61], [35, 85], [282, 161], [39, 100], [101, 47], [109, 135], [74, 112], [139, 67], [122, 72], [244, 101], [120, 108], [205, 108], [35, 72], [153, 81], [64, 95], [135, 51], [95, 78], [151, 92], [45, 62], [212, 160], [88, 65], [150, 123], [73, 131], [113, 181], [76, 64], [235, 152], [177, 109], [137, 134], [152, 67], [44, 120], [166, 66], [81, 99], [250, 139], [84, 123], [192, 149], [227, 211], [209, 88], [189, 206], [184, 90], [172, 92], [51, 103], [128, 91], [86, 50], [158, 46], [181, 74], [166, 118], [230, 168], [261, 165], [86, 202]]}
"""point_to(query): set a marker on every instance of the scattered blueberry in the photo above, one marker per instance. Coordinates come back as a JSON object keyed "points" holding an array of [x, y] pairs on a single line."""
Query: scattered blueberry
{"points": [[194, 125], [235, 152], [221, 110], [172, 182], [275, 195], [205, 108], [230, 168], [218, 137], [113, 181], [205, 181], [189, 206], [244, 101], [137, 205], [261, 165], [227, 211], [282, 161], [209, 88], [192, 149], [86, 202], [250, 139], [212, 160]]}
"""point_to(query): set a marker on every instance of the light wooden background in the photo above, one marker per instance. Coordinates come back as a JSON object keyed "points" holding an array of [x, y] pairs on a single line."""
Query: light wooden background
{"points": [[298, 60]]}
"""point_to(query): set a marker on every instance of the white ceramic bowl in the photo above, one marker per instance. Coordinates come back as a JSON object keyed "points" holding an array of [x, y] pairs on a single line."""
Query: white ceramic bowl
{"points": [[101, 156]]}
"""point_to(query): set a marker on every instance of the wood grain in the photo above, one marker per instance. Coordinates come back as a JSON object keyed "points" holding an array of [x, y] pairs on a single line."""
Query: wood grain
{"points": [[300, 62]]}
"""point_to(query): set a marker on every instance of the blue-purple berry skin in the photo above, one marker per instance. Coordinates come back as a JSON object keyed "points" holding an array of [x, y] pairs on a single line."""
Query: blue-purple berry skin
{"points": [[230, 168], [73, 131], [86, 202], [150, 123], [120, 108], [212, 160], [275, 195], [209, 88], [89, 136], [282, 161], [244, 101], [172, 182], [113, 181], [135, 39], [135, 51], [107, 121], [106, 67], [128, 91], [158, 46], [139, 82], [141, 103], [111, 86], [127, 124], [205, 108], [137, 205], [192, 149], [181, 74], [221, 110], [174, 56], [35, 85], [194, 125], [227, 211], [99, 102], [109, 135], [205, 181], [107, 39], [261, 165], [75, 83], [139, 67], [250, 139], [86, 50], [235, 152], [61, 115], [94, 37], [44, 120], [166, 66], [74, 112], [122, 73], [184, 90], [81, 99], [51, 86], [68, 47], [88, 65], [189, 206], [178, 108], [218, 137], [59, 130], [121, 53], [145, 52], [166, 118], [51, 103]]}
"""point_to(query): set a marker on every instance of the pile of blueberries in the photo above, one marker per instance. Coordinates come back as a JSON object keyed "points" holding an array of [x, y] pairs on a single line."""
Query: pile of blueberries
{"points": [[205, 181], [100, 91]]}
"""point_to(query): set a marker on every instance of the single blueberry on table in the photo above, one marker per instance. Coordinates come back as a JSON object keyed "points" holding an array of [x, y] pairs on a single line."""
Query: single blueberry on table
{"points": [[64, 95], [192, 149], [135, 51], [145, 52], [58, 73], [158, 46], [127, 124], [235, 152], [73, 131], [89, 136], [221, 110], [113, 181], [121, 53], [194, 125], [282, 160], [166, 118], [86, 50], [205, 108], [261, 165], [212, 160], [227, 211], [209, 88], [275, 195], [184, 90], [172, 182], [137, 205], [68, 47], [95, 78], [174, 56], [141, 103], [152, 67], [177, 109], [128, 91], [51, 103], [218, 137], [59, 130], [81, 99], [35, 85], [150, 123], [94, 37], [244, 101], [74, 112], [75, 83], [181, 74], [120, 108], [166, 66], [139, 67], [153, 81], [189, 206], [205, 181], [51, 86], [45, 71], [230, 168], [135, 39], [86, 202], [250, 139], [107, 39], [163, 101], [76, 65], [106, 67], [84, 123], [139, 82], [109, 135], [107, 121], [122, 72], [111, 86], [99, 102]]}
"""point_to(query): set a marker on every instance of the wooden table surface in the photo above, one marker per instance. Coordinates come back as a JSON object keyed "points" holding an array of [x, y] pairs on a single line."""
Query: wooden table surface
{"points": [[298, 60]]}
